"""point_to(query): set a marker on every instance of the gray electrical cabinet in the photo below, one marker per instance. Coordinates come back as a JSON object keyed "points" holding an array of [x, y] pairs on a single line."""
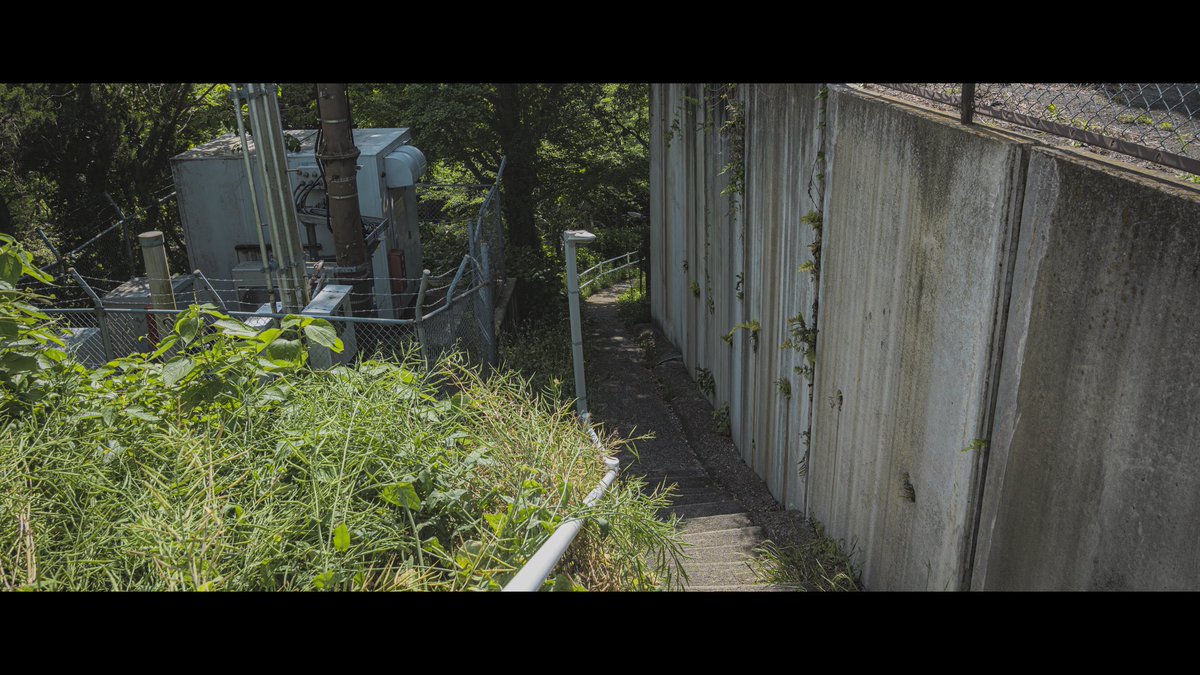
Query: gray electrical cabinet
{"points": [[218, 217]]}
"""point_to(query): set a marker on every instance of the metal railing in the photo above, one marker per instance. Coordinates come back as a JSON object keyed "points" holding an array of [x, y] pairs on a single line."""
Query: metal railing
{"points": [[533, 575], [1158, 123], [593, 278]]}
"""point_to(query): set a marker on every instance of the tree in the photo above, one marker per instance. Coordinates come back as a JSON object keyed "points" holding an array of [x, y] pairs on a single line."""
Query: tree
{"points": [[71, 151], [575, 152]]}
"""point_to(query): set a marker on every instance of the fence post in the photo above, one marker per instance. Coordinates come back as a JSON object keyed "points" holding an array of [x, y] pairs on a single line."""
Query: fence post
{"points": [[420, 314], [570, 239], [101, 315], [487, 300], [968, 103]]}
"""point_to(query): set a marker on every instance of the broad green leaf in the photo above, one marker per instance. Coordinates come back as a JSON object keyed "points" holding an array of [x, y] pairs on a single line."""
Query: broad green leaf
{"points": [[188, 327], [323, 333], [177, 369], [284, 353], [235, 328], [140, 413], [8, 328], [266, 337], [165, 345], [403, 495], [341, 537], [325, 580], [496, 520], [31, 310], [10, 268]]}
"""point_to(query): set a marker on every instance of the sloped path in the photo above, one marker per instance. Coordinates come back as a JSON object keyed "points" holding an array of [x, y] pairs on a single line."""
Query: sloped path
{"points": [[626, 395]]}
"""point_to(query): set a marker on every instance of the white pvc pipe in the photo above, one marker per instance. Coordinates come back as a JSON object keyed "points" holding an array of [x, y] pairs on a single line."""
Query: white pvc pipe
{"points": [[538, 569]]}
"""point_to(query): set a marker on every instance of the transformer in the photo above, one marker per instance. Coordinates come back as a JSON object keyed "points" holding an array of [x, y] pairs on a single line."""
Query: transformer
{"points": [[219, 225]]}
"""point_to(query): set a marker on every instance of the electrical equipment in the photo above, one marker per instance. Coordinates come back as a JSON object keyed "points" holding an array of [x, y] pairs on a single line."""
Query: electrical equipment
{"points": [[218, 217]]}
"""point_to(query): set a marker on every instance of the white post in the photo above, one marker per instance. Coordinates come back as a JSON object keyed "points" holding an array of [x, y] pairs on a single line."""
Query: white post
{"points": [[571, 238]]}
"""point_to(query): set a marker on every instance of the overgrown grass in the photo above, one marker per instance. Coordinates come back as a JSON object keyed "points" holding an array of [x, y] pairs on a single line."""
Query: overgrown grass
{"points": [[541, 352], [818, 565], [222, 462], [380, 477]]}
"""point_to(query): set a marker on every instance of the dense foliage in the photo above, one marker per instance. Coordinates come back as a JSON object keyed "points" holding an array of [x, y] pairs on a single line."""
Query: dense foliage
{"points": [[222, 462]]}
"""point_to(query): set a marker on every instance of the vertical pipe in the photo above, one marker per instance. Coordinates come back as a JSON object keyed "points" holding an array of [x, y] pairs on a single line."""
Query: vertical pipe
{"points": [[339, 157], [290, 222], [570, 239], [258, 224], [274, 218]]}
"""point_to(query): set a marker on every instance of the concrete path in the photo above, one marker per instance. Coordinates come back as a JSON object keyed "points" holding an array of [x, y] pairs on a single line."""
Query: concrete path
{"points": [[626, 396]]}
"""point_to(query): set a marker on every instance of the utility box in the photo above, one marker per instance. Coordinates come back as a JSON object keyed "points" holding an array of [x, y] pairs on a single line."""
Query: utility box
{"points": [[219, 225], [333, 301], [126, 329]]}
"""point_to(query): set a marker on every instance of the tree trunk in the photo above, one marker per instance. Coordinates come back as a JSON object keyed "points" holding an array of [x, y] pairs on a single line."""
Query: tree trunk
{"points": [[520, 171]]}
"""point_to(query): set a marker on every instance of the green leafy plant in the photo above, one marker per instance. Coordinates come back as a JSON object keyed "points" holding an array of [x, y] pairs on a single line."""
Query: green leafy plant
{"points": [[752, 326], [721, 422], [705, 381], [785, 387], [820, 564], [975, 445]]}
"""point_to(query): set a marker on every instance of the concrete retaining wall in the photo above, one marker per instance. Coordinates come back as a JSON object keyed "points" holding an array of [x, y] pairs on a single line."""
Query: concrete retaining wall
{"points": [[1094, 476], [743, 254], [919, 220], [1007, 389]]}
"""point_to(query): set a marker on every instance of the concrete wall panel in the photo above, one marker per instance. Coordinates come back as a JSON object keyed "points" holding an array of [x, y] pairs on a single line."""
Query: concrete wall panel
{"points": [[919, 217], [1094, 476]]}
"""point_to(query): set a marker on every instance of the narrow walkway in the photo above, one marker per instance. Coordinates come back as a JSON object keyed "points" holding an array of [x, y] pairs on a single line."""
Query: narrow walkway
{"points": [[627, 396]]}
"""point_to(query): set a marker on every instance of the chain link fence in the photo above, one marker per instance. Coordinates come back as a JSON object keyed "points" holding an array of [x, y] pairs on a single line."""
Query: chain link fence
{"points": [[103, 319], [1156, 123]]}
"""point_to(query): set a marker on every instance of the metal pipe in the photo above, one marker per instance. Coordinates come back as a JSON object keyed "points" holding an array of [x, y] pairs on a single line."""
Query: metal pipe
{"points": [[101, 317], [283, 193], [458, 275], [570, 239], [420, 310], [57, 257], [537, 570], [286, 294], [258, 224], [220, 301]]}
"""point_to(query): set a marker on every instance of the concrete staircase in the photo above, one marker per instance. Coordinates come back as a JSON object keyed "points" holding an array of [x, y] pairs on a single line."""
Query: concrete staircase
{"points": [[720, 531]]}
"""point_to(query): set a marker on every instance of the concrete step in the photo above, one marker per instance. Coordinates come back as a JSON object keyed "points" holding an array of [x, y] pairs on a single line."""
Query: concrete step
{"points": [[698, 497], [696, 525], [740, 588], [669, 475], [750, 536], [718, 573], [722, 552], [703, 509]]}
